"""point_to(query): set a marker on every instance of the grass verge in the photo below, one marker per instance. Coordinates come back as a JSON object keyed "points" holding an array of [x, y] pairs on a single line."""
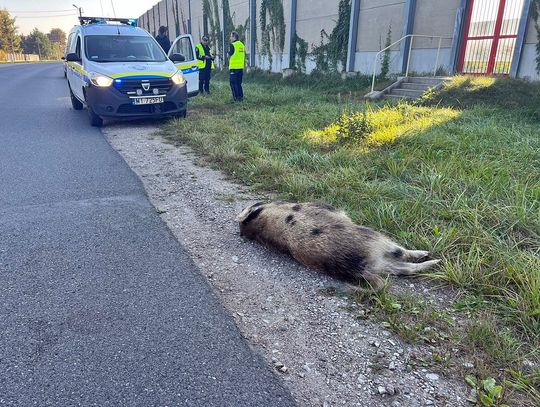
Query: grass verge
{"points": [[457, 174]]}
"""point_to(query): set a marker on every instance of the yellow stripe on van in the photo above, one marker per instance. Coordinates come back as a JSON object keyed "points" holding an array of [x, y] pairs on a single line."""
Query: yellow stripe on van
{"points": [[184, 66], [77, 68]]}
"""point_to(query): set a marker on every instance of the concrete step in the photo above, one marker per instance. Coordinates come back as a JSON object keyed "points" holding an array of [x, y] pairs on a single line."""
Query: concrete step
{"points": [[397, 97], [412, 93], [416, 86], [424, 80], [410, 88]]}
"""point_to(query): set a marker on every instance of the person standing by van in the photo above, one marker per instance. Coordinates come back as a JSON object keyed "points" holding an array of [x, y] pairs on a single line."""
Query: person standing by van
{"points": [[163, 38], [205, 62], [237, 57]]}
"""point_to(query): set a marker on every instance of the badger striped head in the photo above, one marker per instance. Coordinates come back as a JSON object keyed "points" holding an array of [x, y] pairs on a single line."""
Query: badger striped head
{"points": [[249, 213]]}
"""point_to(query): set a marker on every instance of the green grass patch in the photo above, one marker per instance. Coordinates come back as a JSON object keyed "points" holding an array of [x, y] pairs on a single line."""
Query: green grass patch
{"points": [[325, 84], [457, 174], [467, 91]]}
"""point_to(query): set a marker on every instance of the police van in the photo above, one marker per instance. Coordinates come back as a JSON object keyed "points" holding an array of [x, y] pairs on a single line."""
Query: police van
{"points": [[118, 70]]}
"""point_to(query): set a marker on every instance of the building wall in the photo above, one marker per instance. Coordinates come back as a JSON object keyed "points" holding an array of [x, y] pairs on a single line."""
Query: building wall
{"points": [[435, 17], [432, 17], [169, 19], [312, 18], [162, 13], [527, 67], [240, 16], [530, 37], [197, 21], [377, 18], [280, 60], [155, 20]]}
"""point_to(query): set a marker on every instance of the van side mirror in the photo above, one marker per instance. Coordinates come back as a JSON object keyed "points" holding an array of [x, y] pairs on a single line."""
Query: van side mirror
{"points": [[72, 57], [178, 58]]}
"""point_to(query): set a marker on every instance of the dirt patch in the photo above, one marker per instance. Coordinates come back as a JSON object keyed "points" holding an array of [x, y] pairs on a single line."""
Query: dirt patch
{"points": [[311, 336]]}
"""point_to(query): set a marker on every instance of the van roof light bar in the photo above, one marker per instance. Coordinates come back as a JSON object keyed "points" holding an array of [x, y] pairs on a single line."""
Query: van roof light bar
{"points": [[104, 20]]}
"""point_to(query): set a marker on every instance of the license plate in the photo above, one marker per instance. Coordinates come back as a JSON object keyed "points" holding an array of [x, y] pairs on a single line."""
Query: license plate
{"points": [[147, 101]]}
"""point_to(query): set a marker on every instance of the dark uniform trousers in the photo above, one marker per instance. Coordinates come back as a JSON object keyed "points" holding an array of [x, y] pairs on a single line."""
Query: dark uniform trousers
{"points": [[204, 78], [235, 79]]}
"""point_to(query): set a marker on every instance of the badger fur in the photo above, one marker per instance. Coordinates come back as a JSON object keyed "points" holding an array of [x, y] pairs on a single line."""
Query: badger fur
{"points": [[320, 237]]}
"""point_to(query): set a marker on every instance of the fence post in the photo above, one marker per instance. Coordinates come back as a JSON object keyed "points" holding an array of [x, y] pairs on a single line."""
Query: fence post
{"points": [[224, 35], [252, 33], [189, 17], [167, 14], [408, 28], [520, 40], [353, 35], [154, 18], [458, 34], [292, 35]]}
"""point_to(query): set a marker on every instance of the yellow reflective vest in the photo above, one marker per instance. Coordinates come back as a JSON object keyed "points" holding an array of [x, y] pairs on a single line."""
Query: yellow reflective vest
{"points": [[238, 59], [202, 64]]}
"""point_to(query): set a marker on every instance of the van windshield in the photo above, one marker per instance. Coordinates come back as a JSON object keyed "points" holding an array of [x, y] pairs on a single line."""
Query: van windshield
{"points": [[123, 48]]}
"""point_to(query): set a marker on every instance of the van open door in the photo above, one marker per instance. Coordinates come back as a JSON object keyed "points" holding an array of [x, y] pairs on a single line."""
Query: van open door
{"points": [[184, 46]]}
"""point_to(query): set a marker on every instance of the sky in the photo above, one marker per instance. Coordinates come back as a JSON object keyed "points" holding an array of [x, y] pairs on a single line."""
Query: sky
{"points": [[47, 14]]}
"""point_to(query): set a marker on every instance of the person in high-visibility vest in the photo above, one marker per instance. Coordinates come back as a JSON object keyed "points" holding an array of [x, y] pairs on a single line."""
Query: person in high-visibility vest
{"points": [[205, 62], [237, 60]]}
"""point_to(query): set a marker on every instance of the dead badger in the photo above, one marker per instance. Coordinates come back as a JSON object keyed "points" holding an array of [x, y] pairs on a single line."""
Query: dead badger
{"points": [[319, 236]]}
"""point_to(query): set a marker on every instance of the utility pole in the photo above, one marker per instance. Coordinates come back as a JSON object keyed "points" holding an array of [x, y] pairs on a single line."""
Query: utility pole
{"points": [[79, 9]]}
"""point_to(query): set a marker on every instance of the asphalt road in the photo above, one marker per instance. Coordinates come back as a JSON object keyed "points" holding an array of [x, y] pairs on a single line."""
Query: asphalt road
{"points": [[99, 304]]}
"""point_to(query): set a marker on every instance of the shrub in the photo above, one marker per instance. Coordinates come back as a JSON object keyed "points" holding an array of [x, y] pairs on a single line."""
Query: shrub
{"points": [[352, 127]]}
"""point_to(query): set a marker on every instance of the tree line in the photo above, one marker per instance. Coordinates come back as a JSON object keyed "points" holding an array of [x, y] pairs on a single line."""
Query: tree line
{"points": [[49, 45]]}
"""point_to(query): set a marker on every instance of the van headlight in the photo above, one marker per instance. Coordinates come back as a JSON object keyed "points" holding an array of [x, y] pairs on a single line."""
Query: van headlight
{"points": [[178, 78], [100, 80]]}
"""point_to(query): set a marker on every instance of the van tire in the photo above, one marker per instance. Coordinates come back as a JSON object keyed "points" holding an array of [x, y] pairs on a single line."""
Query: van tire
{"points": [[95, 120], [75, 103]]}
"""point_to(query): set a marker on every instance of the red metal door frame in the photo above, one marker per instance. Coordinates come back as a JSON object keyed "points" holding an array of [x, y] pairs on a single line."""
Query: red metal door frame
{"points": [[496, 37]]}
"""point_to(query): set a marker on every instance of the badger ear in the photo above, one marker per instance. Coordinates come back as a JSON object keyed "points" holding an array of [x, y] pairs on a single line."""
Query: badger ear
{"points": [[252, 215], [246, 212]]}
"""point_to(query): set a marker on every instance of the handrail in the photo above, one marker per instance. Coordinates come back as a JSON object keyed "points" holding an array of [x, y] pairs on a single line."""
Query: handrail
{"points": [[409, 54]]}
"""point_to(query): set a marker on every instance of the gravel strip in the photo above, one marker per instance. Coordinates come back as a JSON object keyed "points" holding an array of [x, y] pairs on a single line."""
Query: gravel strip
{"points": [[325, 356]]}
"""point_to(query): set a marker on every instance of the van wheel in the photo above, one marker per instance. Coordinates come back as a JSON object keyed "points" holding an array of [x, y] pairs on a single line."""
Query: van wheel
{"points": [[76, 103], [95, 120]]}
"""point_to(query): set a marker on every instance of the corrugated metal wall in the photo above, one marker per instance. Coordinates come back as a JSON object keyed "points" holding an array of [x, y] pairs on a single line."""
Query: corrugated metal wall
{"points": [[376, 18]]}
